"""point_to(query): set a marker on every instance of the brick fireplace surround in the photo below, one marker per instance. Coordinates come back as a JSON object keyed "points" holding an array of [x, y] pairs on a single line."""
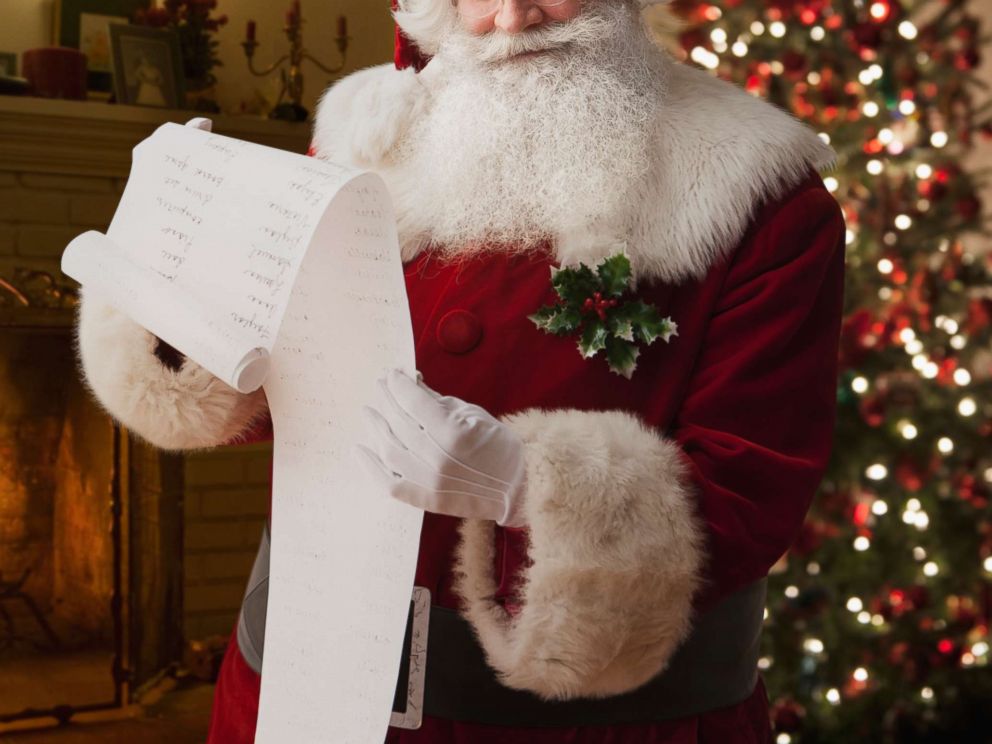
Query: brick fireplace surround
{"points": [[186, 525]]}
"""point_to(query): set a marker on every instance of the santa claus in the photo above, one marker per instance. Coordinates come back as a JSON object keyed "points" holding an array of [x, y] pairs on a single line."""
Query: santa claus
{"points": [[595, 543]]}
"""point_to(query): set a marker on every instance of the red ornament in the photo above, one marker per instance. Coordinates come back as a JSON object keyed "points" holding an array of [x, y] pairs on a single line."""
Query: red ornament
{"points": [[787, 715], [969, 207]]}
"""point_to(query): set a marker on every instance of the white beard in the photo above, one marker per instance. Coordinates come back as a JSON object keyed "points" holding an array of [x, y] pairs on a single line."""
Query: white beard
{"points": [[515, 152]]}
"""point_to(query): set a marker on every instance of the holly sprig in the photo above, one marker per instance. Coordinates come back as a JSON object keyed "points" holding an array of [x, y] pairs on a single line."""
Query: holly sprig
{"points": [[591, 304]]}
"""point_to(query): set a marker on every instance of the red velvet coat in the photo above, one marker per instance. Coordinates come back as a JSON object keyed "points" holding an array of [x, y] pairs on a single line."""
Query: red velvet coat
{"points": [[747, 389]]}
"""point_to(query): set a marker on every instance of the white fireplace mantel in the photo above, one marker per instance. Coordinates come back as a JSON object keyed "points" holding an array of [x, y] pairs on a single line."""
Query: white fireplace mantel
{"points": [[84, 138]]}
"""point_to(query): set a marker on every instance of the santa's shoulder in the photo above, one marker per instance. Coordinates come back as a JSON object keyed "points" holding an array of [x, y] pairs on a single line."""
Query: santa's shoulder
{"points": [[720, 155], [361, 116]]}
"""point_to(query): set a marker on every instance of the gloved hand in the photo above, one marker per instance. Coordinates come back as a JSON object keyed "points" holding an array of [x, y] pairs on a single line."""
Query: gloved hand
{"points": [[442, 454]]}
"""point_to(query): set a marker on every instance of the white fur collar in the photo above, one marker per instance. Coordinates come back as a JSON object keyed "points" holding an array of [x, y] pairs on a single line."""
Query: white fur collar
{"points": [[720, 153]]}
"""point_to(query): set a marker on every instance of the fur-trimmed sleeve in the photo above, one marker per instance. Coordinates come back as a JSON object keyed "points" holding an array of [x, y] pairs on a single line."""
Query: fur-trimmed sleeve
{"points": [[175, 406], [632, 529]]}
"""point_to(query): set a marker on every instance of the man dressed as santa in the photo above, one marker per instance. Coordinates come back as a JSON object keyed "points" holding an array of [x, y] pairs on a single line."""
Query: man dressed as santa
{"points": [[625, 280]]}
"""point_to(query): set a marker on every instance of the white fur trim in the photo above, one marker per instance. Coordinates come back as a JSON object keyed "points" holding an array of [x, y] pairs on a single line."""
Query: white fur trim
{"points": [[174, 410], [616, 554], [720, 153], [364, 114]]}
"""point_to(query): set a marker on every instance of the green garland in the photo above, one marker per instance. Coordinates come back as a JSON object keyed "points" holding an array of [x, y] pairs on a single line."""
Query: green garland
{"points": [[591, 303]]}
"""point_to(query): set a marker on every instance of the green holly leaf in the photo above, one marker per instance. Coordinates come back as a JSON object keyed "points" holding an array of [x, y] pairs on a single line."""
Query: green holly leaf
{"points": [[594, 338], [620, 326], [614, 275], [574, 285], [543, 317], [565, 322], [557, 319], [622, 357], [648, 325]]}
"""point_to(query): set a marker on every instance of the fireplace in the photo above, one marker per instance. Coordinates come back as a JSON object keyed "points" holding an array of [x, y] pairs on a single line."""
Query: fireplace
{"points": [[90, 526], [112, 555]]}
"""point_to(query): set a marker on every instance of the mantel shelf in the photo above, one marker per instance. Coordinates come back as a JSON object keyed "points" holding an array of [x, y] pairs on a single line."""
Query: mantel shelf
{"points": [[84, 138]]}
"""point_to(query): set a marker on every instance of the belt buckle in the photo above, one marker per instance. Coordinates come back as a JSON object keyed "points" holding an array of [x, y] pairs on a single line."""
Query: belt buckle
{"points": [[409, 713]]}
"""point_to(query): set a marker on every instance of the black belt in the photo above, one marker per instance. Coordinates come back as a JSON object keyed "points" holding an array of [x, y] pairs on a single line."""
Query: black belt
{"points": [[716, 667]]}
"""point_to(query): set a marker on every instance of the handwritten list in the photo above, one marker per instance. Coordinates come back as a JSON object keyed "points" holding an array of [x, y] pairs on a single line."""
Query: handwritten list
{"points": [[267, 266]]}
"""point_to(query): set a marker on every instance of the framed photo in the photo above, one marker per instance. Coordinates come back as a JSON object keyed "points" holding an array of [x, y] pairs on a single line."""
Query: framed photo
{"points": [[84, 25], [8, 64], [147, 66]]}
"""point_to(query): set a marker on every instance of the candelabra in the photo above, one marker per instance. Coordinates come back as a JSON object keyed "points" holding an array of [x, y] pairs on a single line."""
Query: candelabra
{"points": [[292, 80]]}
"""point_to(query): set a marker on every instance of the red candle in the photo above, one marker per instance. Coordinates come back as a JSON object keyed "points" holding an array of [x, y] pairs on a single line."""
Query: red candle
{"points": [[342, 27], [250, 34]]}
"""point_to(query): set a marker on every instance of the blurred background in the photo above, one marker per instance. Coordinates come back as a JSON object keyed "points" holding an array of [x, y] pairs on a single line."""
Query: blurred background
{"points": [[122, 568]]}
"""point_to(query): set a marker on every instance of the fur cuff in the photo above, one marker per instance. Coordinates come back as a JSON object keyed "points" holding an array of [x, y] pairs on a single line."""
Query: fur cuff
{"points": [[175, 410], [615, 558], [361, 118]]}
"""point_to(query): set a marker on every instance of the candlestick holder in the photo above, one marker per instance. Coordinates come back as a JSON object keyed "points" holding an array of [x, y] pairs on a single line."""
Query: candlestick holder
{"points": [[292, 78]]}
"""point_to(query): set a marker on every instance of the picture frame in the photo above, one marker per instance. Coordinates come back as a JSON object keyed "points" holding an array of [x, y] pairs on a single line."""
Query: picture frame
{"points": [[8, 64], [147, 66], [84, 25]]}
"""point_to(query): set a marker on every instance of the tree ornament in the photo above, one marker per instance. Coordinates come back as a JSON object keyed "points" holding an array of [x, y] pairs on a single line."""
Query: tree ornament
{"points": [[592, 304]]}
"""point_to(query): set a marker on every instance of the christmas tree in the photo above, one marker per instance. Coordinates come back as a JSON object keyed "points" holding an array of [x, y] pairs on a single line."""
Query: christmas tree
{"points": [[878, 618]]}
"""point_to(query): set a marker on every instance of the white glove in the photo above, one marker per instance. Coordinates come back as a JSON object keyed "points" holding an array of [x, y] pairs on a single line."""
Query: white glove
{"points": [[442, 454]]}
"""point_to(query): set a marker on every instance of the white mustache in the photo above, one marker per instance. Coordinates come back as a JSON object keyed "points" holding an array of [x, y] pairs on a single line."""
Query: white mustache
{"points": [[498, 45]]}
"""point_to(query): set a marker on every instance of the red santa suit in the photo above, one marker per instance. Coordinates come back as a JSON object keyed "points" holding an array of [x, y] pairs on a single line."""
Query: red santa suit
{"points": [[650, 500]]}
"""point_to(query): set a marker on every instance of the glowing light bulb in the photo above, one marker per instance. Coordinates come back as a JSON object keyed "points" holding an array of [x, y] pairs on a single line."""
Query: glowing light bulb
{"points": [[876, 71], [904, 222], [922, 520], [981, 648], [931, 569], [854, 604], [792, 592], [875, 167], [909, 431], [907, 107], [886, 136], [877, 620], [757, 28], [850, 236], [958, 342], [919, 553], [864, 617], [879, 508], [861, 543], [924, 171], [814, 78], [783, 738], [739, 49], [907, 30], [831, 183], [926, 693], [987, 565], [939, 139], [967, 407], [833, 696], [865, 77], [931, 370], [777, 29], [765, 662], [860, 674], [813, 645], [870, 109], [951, 326], [817, 33], [813, 568], [906, 335], [877, 471], [945, 445], [885, 266], [859, 384], [962, 376], [913, 505], [719, 36]]}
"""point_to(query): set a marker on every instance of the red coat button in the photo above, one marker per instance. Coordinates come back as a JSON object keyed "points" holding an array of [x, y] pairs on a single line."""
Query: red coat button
{"points": [[459, 331]]}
